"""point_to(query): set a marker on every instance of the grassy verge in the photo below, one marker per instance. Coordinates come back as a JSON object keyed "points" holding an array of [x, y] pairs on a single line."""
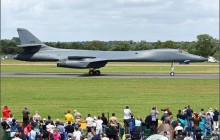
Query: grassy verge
{"points": [[53, 96]]}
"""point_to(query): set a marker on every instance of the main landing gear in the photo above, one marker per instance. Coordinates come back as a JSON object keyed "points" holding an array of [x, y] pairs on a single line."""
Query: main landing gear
{"points": [[94, 72], [172, 69]]}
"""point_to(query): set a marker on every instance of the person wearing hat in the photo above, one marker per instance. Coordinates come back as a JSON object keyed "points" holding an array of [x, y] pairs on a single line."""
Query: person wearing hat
{"points": [[164, 116], [69, 117], [77, 116]]}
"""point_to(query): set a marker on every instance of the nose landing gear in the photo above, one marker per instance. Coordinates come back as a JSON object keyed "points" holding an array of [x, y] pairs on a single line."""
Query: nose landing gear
{"points": [[172, 69]]}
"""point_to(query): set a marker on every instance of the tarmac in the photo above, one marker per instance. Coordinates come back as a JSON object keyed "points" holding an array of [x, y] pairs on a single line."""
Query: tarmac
{"points": [[110, 75]]}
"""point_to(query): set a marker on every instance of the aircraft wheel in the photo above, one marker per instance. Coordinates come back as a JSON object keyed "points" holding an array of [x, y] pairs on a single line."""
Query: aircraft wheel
{"points": [[91, 72], [97, 72], [172, 74]]}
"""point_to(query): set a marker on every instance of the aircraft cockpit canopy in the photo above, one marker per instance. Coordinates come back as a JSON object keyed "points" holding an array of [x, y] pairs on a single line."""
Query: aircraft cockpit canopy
{"points": [[181, 51]]}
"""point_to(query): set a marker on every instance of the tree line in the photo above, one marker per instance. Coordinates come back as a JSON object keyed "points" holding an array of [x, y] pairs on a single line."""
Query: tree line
{"points": [[205, 45]]}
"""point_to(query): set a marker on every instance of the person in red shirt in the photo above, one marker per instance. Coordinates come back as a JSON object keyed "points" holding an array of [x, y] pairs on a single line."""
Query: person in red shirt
{"points": [[5, 112]]}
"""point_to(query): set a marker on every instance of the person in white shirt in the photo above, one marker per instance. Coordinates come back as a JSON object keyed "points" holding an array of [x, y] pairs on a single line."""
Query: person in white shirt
{"points": [[16, 136], [178, 128], [99, 125], [89, 122], [36, 117], [188, 137], [104, 137], [164, 137], [77, 134], [127, 117]]}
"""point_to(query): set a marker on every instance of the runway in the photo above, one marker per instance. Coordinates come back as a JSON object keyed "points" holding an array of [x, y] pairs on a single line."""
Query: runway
{"points": [[109, 75]]}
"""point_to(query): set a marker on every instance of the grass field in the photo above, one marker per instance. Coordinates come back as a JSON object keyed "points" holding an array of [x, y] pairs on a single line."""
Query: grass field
{"points": [[53, 96]]}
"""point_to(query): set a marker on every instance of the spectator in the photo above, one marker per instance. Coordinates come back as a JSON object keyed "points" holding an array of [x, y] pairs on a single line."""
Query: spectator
{"points": [[211, 112], [199, 135], [196, 119], [49, 120], [105, 123], [77, 116], [178, 129], [154, 119], [168, 111], [50, 127], [25, 113], [16, 136], [132, 124], [208, 124], [99, 125], [148, 121], [201, 113], [69, 130], [180, 115], [188, 137], [96, 136], [14, 127], [32, 134], [37, 126], [89, 122], [127, 117], [61, 130], [215, 118], [77, 135], [113, 120], [104, 137], [6, 112], [10, 118], [90, 135], [56, 134], [36, 117], [22, 135], [189, 112], [164, 137], [164, 116], [138, 121], [69, 117]]}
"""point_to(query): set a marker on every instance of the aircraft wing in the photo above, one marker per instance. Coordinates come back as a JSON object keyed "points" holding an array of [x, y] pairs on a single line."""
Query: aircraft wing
{"points": [[82, 62]]}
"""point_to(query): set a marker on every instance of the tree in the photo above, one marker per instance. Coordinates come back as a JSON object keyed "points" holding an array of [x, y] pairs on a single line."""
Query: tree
{"points": [[95, 45], [143, 45], [169, 44], [205, 45], [121, 46]]}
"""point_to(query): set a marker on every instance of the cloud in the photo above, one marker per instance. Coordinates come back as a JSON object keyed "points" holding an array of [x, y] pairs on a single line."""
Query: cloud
{"points": [[73, 20]]}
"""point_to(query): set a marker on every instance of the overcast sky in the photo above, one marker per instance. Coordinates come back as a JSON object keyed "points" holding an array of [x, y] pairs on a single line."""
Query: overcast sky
{"points": [[86, 20]]}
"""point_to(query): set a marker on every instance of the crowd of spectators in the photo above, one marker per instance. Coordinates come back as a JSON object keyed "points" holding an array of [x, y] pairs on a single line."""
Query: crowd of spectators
{"points": [[189, 125]]}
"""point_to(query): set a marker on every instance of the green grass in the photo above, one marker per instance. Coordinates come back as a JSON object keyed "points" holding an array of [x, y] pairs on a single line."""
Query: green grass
{"points": [[53, 96]]}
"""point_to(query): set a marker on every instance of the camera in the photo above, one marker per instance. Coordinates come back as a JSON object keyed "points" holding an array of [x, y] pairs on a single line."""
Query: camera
{"points": [[163, 109]]}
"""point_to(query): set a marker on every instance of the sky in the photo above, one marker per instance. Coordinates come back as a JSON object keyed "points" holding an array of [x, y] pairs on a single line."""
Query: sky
{"points": [[108, 20]]}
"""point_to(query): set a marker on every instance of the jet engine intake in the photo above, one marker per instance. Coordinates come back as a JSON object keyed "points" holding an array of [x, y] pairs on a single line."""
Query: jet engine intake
{"points": [[81, 64]]}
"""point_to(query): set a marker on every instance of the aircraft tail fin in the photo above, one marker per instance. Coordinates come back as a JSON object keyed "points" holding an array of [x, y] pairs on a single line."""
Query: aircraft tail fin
{"points": [[27, 37]]}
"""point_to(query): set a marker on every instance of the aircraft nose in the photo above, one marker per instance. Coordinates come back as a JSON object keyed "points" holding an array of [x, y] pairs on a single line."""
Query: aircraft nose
{"points": [[15, 56], [203, 59]]}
